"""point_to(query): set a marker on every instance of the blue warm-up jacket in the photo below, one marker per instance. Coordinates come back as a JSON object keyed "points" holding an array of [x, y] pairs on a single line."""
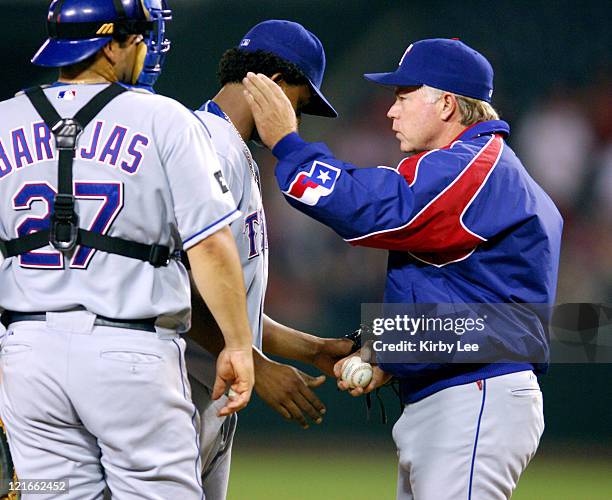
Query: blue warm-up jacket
{"points": [[463, 224]]}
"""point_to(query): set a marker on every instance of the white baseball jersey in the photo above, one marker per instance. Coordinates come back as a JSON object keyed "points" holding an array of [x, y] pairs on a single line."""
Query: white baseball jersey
{"points": [[242, 176], [144, 170]]}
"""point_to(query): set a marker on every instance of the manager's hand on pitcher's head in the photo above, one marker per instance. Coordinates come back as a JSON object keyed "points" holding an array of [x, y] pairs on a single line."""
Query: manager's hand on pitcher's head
{"points": [[272, 111]]}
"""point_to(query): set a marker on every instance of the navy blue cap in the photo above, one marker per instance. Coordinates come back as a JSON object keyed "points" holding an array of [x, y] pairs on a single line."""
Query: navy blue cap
{"points": [[295, 44], [445, 64]]}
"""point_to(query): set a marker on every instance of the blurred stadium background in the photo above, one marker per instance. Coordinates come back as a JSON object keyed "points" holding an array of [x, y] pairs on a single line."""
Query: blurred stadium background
{"points": [[553, 76]]}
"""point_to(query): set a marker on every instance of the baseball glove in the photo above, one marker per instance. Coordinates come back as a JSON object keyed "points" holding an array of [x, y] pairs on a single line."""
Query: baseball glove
{"points": [[355, 337]]}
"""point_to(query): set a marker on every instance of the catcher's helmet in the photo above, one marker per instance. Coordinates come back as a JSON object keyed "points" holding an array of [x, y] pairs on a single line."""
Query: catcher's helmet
{"points": [[79, 28]]}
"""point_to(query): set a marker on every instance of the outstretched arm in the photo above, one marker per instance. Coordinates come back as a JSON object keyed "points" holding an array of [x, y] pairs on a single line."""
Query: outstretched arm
{"points": [[284, 388], [286, 342]]}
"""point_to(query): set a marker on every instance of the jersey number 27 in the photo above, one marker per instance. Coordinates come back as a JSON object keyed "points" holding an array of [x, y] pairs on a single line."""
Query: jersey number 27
{"points": [[109, 193]]}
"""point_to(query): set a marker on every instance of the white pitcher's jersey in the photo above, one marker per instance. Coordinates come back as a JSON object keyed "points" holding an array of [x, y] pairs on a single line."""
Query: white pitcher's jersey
{"points": [[144, 170], [242, 176], [249, 230]]}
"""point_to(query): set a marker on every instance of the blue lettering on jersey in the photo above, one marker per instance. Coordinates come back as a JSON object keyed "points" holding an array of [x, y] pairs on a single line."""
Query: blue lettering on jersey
{"points": [[113, 145], [131, 168], [21, 150], [5, 164], [254, 224], [111, 193], [250, 221], [25, 199], [264, 233], [42, 141], [32, 195], [93, 145], [119, 148]]}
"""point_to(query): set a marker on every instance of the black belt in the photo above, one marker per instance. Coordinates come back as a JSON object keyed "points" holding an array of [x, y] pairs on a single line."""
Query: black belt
{"points": [[146, 324]]}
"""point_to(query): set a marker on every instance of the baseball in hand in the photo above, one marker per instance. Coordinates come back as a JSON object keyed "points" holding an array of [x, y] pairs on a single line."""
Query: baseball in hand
{"points": [[356, 373], [231, 393]]}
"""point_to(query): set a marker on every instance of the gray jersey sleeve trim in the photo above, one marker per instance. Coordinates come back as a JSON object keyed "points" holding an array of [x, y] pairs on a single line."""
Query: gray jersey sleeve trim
{"points": [[211, 228]]}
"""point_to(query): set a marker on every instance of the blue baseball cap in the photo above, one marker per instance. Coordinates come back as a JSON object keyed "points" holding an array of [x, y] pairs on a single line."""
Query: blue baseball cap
{"points": [[445, 64], [295, 44], [79, 28]]}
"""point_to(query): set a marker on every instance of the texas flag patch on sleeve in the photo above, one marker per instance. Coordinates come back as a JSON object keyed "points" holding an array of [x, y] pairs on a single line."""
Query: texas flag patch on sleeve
{"points": [[309, 187]]}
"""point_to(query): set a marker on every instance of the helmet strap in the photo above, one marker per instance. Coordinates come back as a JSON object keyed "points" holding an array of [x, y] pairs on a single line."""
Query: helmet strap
{"points": [[141, 54]]}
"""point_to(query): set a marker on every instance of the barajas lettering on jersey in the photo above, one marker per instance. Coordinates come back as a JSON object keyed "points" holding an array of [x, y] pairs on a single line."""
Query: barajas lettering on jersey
{"points": [[117, 147], [309, 187], [110, 147]]}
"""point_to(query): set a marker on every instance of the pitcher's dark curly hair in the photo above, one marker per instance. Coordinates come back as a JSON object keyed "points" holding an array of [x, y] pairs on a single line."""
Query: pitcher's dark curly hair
{"points": [[236, 63]]}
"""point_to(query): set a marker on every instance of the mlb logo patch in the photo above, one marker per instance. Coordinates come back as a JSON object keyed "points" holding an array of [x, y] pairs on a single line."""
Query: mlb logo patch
{"points": [[67, 95], [309, 187]]}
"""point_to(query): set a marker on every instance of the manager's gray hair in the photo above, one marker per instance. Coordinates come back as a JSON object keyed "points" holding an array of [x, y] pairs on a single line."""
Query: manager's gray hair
{"points": [[471, 110]]}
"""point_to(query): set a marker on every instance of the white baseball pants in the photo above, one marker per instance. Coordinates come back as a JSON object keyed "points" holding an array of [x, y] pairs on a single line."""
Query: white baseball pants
{"points": [[469, 442], [99, 406], [216, 439]]}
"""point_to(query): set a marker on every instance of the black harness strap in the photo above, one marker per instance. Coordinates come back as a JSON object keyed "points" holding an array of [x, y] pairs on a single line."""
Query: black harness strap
{"points": [[64, 233], [25, 244], [157, 255], [43, 106]]}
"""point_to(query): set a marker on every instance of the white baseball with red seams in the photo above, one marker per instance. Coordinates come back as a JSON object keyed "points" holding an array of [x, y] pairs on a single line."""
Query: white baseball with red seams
{"points": [[356, 373]]}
